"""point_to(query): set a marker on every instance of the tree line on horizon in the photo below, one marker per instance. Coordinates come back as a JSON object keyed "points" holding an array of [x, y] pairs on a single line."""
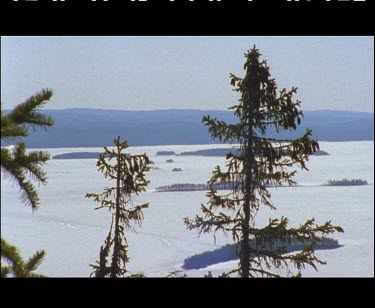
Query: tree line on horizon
{"points": [[259, 161]]}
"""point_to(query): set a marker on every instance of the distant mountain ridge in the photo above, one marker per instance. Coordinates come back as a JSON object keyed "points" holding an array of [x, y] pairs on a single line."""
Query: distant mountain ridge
{"points": [[85, 127]]}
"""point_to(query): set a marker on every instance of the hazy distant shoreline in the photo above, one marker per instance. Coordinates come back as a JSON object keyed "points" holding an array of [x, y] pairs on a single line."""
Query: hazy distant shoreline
{"points": [[97, 128], [221, 152], [187, 187]]}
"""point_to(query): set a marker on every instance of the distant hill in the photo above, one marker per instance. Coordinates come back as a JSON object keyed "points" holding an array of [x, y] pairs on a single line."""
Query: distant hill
{"points": [[98, 127]]}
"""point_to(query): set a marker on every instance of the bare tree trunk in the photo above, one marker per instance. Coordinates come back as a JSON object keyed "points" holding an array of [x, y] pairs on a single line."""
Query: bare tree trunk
{"points": [[116, 246], [245, 245]]}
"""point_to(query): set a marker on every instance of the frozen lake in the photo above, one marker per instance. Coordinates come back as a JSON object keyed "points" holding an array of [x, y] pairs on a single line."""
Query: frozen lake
{"points": [[71, 231]]}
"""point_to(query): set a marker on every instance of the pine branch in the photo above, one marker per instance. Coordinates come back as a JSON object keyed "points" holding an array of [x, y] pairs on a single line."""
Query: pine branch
{"points": [[10, 131], [26, 112], [34, 261], [5, 271], [17, 267], [11, 254], [15, 165]]}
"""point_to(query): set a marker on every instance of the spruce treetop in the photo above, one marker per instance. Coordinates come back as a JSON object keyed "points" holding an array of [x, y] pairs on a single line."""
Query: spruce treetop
{"points": [[259, 162]]}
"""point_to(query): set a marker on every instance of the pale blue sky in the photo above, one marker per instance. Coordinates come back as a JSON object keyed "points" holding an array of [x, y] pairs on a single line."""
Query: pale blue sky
{"points": [[146, 73]]}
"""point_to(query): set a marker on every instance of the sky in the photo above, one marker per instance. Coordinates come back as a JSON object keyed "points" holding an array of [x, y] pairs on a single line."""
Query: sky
{"points": [[168, 72]]}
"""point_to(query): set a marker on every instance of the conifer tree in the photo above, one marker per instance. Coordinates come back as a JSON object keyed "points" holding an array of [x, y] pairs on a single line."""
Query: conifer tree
{"points": [[17, 165], [259, 162], [128, 171]]}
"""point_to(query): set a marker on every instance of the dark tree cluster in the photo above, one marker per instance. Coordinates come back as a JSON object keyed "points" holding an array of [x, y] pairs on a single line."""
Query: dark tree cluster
{"points": [[346, 182], [193, 187]]}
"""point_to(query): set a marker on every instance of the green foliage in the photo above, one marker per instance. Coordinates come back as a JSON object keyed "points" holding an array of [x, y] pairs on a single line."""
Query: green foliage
{"points": [[17, 267], [129, 173], [18, 165], [259, 162], [24, 115]]}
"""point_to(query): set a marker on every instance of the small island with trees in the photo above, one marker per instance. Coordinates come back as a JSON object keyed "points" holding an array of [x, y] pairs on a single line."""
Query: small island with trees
{"points": [[230, 252], [225, 151], [346, 182], [192, 187], [77, 155], [165, 153], [211, 152]]}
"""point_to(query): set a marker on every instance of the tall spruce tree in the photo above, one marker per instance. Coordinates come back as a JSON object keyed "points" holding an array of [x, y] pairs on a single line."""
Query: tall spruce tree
{"points": [[259, 162], [17, 165], [129, 173]]}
